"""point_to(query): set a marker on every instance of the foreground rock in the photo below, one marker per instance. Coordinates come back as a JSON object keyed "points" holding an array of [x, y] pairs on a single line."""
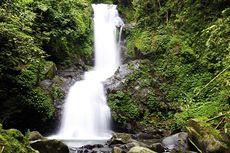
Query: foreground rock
{"points": [[44, 145], [35, 135], [177, 142], [96, 148], [120, 138], [50, 146], [139, 149], [13, 141], [123, 142], [206, 139], [158, 147]]}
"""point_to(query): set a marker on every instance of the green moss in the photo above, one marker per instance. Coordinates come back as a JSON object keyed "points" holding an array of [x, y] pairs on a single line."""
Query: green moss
{"points": [[141, 40], [205, 137], [37, 35], [13, 140], [124, 109], [40, 101], [35, 72], [56, 92]]}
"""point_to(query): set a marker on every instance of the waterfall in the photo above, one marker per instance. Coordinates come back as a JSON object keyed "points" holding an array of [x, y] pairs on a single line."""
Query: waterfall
{"points": [[86, 113]]}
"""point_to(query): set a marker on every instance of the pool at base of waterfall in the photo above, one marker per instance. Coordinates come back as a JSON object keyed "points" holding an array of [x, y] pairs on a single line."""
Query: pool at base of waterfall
{"points": [[79, 142]]}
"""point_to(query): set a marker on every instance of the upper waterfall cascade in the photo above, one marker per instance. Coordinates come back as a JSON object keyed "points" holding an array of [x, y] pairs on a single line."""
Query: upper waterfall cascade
{"points": [[86, 113]]}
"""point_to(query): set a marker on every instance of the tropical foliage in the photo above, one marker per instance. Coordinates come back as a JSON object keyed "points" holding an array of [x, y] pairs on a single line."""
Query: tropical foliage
{"points": [[35, 35]]}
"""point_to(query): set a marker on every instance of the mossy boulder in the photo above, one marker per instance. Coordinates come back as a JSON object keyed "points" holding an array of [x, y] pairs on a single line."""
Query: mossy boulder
{"points": [[35, 135], [123, 142], [120, 138], [50, 146], [117, 150], [158, 147], [206, 138], [13, 141], [44, 145], [50, 70]]}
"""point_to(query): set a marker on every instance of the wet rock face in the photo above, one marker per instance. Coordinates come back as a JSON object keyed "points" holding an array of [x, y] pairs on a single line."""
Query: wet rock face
{"points": [[63, 80], [71, 75], [116, 82]]}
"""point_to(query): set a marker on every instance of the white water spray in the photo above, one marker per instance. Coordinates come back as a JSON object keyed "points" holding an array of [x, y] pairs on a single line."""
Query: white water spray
{"points": [[86, 113]]}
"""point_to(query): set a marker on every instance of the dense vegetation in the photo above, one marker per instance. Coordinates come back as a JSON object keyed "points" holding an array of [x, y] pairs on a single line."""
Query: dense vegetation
{"points": [[183, 47], [36, 35], [13, 140]]}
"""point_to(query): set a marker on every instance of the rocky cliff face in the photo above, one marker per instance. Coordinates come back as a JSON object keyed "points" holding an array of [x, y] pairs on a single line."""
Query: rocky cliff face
{"points": [[135, 98]]}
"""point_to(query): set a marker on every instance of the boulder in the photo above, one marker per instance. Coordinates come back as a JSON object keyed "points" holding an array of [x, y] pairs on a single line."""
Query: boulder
{"points": [[123, 142], [35, 135], [151, 133], [205, 138], [91, 149], [13, 141], [143, 135], [158, 147], [178, 141], [117, 150], [138, 149], [50, 146], [120, 138]]}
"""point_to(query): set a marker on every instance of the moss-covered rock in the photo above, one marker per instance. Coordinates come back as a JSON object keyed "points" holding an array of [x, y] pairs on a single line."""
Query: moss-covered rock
{"points": [[120, 138], [206, 138], [35, 135], [50, 70], [117, 150], [12, 141], [138, 149], [50, 146]]}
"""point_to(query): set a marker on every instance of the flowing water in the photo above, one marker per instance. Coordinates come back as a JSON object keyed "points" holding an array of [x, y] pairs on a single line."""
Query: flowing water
{"points": [[86, 113]]}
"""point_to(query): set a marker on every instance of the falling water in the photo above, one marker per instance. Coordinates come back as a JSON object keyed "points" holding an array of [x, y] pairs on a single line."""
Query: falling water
{"points": [[86, 113]]}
